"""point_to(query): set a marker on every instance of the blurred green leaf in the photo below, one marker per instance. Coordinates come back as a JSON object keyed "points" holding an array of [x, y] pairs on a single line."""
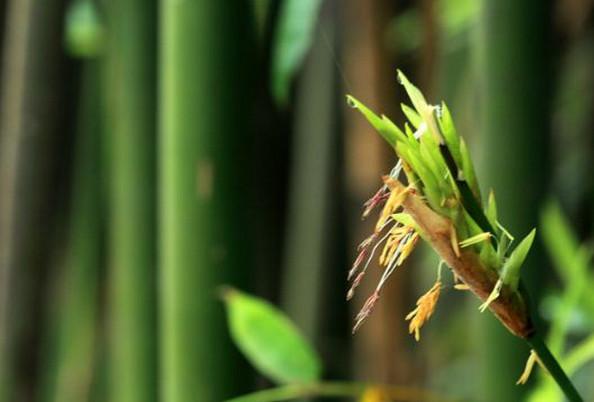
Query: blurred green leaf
{"points": [[270, 340], [294, 34], [84, 33]]}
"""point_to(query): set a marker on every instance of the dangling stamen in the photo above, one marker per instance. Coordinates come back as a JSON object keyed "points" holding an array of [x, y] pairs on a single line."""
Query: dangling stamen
{"points": [[425, 308], [366, 310]]}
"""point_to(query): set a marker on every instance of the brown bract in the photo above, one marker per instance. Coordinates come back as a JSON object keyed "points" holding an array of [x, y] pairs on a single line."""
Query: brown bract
{"points": [[509, 307]]}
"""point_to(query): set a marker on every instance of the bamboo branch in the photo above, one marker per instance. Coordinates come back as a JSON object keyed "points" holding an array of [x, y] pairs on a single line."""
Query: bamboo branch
{"points": [[438, 231]]}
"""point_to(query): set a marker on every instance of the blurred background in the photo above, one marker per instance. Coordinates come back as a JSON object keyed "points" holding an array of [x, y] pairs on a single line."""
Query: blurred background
{"points": [[152, 151]]}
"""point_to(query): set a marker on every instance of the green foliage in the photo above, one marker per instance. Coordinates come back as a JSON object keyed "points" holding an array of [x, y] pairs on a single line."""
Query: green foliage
{"points": [[270, 340], [84, 32], [294, 34]]}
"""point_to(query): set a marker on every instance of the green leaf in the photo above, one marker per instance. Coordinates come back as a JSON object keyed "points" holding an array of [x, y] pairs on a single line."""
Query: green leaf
{"points": [[414, 94], [448, 131], [425, 111], [491, 211], [84, 32], [269, 340], [468, 170], [511, 268], [294, 35], [382, 125], [412, 116]]}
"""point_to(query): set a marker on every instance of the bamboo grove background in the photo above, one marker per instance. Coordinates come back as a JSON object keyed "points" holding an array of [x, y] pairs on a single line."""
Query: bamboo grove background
{"points": [[151, 151]]}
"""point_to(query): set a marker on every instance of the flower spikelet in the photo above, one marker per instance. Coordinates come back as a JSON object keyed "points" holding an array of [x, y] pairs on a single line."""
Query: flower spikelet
{"points": [[425, 308]]}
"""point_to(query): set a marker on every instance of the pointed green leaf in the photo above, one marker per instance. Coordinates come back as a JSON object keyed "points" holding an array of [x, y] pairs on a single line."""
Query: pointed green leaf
{"points": [[416, 97], [448, 131], [468, 170], [269, 340], [511, 268], [393, 128], [411, 115], [491, 211], [381, 125]]}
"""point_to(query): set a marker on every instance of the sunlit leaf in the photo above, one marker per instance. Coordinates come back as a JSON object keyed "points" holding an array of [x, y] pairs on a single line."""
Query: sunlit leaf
{"points": [[270, 341]]}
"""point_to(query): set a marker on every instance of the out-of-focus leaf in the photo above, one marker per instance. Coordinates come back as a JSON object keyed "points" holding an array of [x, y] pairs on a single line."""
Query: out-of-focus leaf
{"points": [[293, 37], [84, 33], [580, 355], [569, 258], [404, 32], [269, 340], [457, 15]]}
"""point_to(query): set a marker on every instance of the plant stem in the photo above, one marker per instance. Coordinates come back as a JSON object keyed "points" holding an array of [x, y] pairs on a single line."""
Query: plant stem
{"points": [[337, 389], [550, 363], [130, 84]]}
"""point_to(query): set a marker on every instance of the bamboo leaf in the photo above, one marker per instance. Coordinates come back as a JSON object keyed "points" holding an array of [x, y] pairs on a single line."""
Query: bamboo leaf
{"points": [[383, 125], [491, 211], [293, 38], [511, 268], [414, 94], [270, 340], [448, 131], [412, 116], [468, 170], [84, 33]]}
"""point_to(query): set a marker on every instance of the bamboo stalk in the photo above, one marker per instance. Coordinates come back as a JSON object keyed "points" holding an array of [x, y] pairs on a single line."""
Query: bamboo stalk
{"points": [[31, 127], [203, 239], [515, 78], [131, 107], [69, 367]]}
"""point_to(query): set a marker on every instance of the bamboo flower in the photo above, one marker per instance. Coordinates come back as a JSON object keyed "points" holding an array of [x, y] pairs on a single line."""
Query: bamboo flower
{"points": [[439, 200]]}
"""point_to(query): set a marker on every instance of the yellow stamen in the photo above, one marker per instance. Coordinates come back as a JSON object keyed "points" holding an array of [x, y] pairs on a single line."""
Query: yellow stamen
{"points": [[374, 394], [392, 204], [527, 369], [454, 241], [475, 239], [461, 286], [425, 308], [493, 296], [408, 248]]}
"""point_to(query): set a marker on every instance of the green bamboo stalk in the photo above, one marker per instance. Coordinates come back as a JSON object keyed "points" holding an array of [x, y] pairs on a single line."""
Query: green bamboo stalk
{"points": [[131, 106], [203, 238], [515, 74], [69, 368]]}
